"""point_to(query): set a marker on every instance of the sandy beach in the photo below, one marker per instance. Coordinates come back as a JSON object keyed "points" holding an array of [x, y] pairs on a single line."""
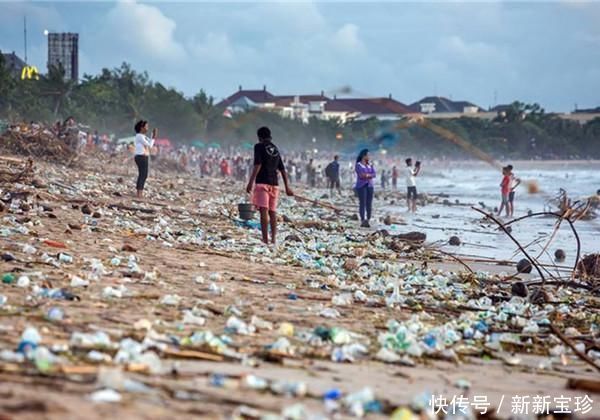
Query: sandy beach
{"points": [[184, 240]]}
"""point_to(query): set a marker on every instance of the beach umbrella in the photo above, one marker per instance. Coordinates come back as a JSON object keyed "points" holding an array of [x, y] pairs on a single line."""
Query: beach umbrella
{"points": [[215, 145], [198, 143], [126, 140], [247, 145]]}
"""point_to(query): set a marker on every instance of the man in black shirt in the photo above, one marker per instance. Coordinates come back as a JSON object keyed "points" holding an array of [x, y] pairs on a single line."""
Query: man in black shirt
{"points": [[332, 171], [267, 162]]}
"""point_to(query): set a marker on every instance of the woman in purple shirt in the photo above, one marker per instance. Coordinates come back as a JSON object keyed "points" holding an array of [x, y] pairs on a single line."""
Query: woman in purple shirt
{"points": [[365, 173]]}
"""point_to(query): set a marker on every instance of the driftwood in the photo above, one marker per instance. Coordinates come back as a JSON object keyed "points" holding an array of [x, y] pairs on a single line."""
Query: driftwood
{"points": [[588, 385], [117, 206], [192, 354], [570, 344], [318, 203]]}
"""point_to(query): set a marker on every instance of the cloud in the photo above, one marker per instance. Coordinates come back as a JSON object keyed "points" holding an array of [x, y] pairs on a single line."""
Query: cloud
{"points": [[467, 49], [297, 18], [144, 29], [346, 39], [214, 47], [456, 47]]}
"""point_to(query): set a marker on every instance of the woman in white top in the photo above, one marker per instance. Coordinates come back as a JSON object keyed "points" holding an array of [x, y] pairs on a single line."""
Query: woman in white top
{"points": [[143, 144]]}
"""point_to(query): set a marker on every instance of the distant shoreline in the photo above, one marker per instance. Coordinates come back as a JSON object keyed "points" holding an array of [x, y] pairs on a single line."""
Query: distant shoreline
{"points": [[522, 163]]}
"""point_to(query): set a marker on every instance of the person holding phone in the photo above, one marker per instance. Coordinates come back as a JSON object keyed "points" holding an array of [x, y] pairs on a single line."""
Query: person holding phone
{"points": [[143, 145], [411, 184]]}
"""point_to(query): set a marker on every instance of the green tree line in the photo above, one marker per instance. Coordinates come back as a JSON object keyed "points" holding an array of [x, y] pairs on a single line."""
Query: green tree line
{"points": [[114, 99]]}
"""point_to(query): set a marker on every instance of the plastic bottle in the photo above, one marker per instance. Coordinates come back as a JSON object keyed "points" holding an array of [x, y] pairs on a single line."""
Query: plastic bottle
{"points": [[151, 360], [281, 345], [28, 249], [329, 313], [348, 353], [260, 323], [287, 329], [295, 389], [8, 278], [215, 277], [340, 335], [3, 300], [110, 292], [170, 300], [356, 401], [65, 258], [238, 326], [105, 396], [23, 281], [331, 400], [255, 382], [430, 340], [79, 282], [214, 289], [360, 296], [332, 394], [30, 339], [55, 314], [344, 299], [43, 359], [223, 381]]}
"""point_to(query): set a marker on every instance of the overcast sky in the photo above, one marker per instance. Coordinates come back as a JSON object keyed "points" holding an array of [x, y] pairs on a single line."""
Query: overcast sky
{"points": [[546, 52]]}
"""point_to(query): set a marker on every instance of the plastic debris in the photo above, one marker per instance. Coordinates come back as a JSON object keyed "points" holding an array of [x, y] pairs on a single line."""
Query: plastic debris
{"points": [[55, 314], [105, 396]]}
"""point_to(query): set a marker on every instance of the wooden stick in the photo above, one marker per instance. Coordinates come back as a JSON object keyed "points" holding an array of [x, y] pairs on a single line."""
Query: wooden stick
{"points": [[192, 354], [128, 208], [570, 344], [584, 385], [501, 225], [317, 203]]}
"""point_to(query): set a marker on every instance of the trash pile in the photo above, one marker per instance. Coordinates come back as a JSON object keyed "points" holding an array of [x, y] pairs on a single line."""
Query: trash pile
{"points": [[175, 299], [39, 141], [16, 171]]}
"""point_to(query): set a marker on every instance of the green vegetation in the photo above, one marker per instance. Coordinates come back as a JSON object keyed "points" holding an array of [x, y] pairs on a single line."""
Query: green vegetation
{"points": [[114, 99]]}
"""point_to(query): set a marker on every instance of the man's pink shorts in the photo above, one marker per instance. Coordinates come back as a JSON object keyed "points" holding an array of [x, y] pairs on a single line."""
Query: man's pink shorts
{"points": [[265, 196]]}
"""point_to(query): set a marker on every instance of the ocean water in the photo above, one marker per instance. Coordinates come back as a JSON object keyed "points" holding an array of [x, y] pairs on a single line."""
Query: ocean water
{"points": [[475, 183]]}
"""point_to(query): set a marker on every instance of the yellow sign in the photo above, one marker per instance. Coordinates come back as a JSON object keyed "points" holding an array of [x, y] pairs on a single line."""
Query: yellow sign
{"points": [[30, 72]]}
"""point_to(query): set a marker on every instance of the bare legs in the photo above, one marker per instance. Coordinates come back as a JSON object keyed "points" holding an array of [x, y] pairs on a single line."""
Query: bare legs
{"points": [[504, 206], [268, 217], [273, 219]]}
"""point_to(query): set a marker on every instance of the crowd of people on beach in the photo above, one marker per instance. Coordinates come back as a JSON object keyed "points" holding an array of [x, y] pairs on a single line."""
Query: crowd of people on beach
{"points": [[266, 165], [340, 175], [298, 167]]}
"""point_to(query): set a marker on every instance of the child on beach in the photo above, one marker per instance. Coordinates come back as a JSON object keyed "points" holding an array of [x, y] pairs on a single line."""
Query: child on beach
{"points": [[505, 190], [411, 184], [267, 164]]}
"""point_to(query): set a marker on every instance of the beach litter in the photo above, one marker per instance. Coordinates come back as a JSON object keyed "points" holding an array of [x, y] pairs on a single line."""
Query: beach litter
{"points": [[171, 282]]}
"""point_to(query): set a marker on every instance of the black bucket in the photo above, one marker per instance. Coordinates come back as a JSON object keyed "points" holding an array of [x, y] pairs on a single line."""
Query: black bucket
{"points": [[246, 211]]}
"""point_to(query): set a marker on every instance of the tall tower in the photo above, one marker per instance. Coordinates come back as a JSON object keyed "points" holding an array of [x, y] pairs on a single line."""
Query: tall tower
{"points": [[63, 49]]}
